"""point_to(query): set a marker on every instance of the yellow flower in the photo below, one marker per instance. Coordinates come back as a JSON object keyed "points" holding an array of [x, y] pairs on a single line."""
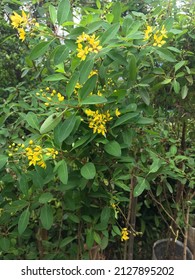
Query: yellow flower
{"points": [[51, 152], [124, 234], [117, 112], [163, 31], [24, 18], [147, 32], [16, 20], [158, 40], [60, 97], [82, 38], [97, 121], [22, 34], [87, 44], [82, 53], [93, 72]]}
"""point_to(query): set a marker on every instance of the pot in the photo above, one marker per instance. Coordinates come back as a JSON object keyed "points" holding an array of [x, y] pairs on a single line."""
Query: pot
{"points": [[162, 250], [191, 240]]}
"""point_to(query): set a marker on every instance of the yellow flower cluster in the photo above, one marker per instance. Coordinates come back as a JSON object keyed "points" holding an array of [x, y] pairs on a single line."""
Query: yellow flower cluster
{"points": [[20, 22], [14, 148], [158, 36], [124, 234], [98, 121], [36, 154], [87, 44], [51, 95]]}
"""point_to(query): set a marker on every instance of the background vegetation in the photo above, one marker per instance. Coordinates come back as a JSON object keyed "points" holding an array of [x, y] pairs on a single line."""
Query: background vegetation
{"points": [[97, 127]]}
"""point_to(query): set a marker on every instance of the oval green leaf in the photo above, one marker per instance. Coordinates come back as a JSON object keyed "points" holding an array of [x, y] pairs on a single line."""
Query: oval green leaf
{"points": [[3, 160], [63, 172], [51, 122], [32, 120], [63, 11], [113, 148], [142, 184], [39, 50], [67, 127], [88, 171], [46, 216], [23, 221], [45, 197]]}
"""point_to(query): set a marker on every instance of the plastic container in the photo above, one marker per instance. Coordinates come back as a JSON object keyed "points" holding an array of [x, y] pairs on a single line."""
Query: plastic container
{"points": [[161, 252]]}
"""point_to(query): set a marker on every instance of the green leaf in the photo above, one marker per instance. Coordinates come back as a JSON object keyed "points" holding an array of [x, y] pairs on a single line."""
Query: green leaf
{"points": [[72, 83], [145, 121], [132, 68], [173, 150], [168, 23], [109, 34], [184, 92], [97, 238], [5, 244], [52, 13], [88, 171], [113, 148], [155, 165], [15, 206], [39, 50], [165, 54], [98, 4], [86, 68], [145, 97], [63, 11], [179, 65], [23, 183], [88, 87], [94, 99], [23, 221], [169, 187], [121, 185], [127, 118], [116, 11], [63, 172], [45, 197], [46, 216], [176, 86], [105, 215], [3, 160], [90, 238], [32, 120], [104, 243], [55, 77], [67, 127], [116, 230], [60, 54], [74, 218], [51, 122], [142, 184], [81, 141], [66, 241], [166, 82]]}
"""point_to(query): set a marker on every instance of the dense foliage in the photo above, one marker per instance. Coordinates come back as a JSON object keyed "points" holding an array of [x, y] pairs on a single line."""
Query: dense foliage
{"points": [[97, 157]]}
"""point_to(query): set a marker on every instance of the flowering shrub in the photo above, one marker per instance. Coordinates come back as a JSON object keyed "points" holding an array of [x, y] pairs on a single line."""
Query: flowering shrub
{"points": [[86, 145]]}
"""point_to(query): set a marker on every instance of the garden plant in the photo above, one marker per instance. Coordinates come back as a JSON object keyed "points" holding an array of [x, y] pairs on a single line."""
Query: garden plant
{"points": [[96, 139]]}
